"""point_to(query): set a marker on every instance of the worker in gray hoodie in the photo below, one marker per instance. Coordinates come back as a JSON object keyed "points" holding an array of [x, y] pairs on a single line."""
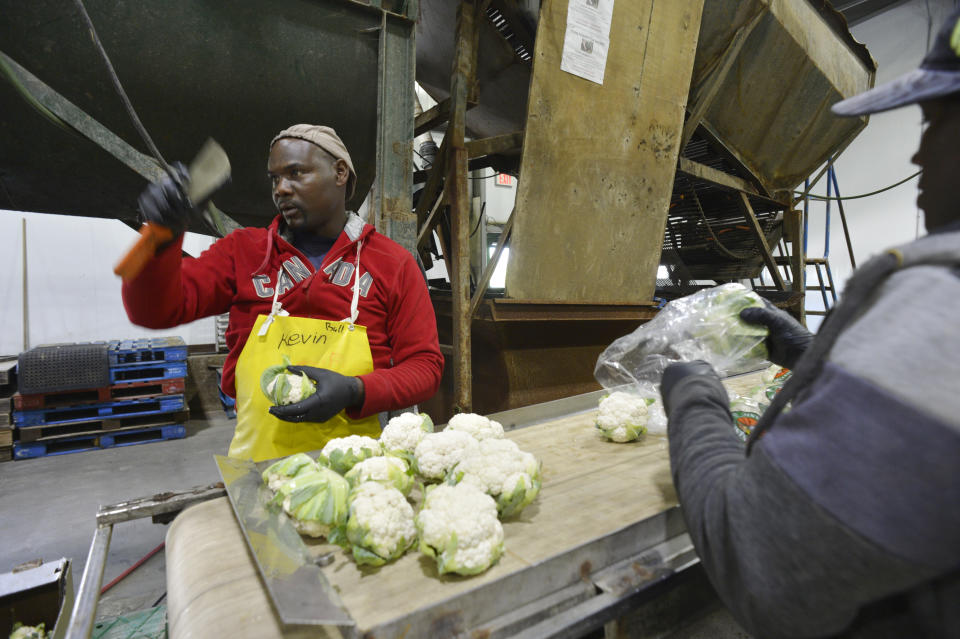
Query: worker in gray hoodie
{"points": [[842, 517]]}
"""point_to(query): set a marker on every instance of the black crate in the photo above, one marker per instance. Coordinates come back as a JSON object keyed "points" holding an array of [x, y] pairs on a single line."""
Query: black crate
{"points": [[63, 367]]}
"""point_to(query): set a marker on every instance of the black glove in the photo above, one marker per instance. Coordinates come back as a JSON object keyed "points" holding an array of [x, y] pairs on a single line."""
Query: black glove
{"points": [[166, 203], [334, 393], [788, 338], [676, 372]]}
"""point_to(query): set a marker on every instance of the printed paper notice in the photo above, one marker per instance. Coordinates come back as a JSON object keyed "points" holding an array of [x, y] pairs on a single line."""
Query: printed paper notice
{"points": [[587, 38]]}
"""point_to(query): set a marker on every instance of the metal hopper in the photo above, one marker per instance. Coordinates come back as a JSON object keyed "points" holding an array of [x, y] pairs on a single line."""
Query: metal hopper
{"points": [[764, 78]]}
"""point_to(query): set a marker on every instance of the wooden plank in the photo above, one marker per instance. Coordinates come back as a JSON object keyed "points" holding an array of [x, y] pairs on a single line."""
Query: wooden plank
{"points": [[599, 161], [762, 241], [432, 117], [710, 174], [496, 144]]}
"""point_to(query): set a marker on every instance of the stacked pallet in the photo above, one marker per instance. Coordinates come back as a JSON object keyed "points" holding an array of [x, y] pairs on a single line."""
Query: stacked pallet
{"points": [[7, 387], [142, 402]]}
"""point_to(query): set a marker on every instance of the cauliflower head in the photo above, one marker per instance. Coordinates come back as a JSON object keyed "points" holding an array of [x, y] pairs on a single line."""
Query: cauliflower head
{"points": [[387, 470], [29, 632], [500, 469], [478, 426], [316, 501], [287, 468], [403, 432], [438, 453], [343, 453], [622, 417], [380, 526], [459, 527], [282, 387]]}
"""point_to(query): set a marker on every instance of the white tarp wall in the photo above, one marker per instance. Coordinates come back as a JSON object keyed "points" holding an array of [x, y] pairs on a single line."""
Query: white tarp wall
{"points": [[72, 293]]}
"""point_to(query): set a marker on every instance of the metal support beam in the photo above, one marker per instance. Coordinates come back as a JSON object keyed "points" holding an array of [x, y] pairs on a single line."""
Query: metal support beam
{"points": [[762, 242], [458, 195], [161, 508], [391, 203], [85, 607], [158, 505], [70, 116]]}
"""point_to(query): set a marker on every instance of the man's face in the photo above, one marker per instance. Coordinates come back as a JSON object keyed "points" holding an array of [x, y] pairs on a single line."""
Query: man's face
{"points": [[308, 186], [939, 157]]}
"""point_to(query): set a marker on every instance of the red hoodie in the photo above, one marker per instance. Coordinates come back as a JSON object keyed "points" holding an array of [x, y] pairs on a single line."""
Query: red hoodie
{"points": [[239, 273]]}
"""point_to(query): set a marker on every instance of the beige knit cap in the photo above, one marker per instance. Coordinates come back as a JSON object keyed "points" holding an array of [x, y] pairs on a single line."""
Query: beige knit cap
{"points": [[328, 140]]}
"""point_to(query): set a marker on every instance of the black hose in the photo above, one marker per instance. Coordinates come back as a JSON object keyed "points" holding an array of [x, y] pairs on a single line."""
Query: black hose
{"points": [[123, 96]]}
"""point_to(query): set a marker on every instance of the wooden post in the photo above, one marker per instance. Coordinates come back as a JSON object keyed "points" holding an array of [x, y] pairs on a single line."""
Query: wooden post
{"points": [[793, 226], [458, 195]]}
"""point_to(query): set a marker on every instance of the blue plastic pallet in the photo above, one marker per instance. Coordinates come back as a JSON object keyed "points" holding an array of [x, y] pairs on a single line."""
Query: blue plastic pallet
{"points": [[113, 439], [148, 349], [147, 371], [82, 413]]}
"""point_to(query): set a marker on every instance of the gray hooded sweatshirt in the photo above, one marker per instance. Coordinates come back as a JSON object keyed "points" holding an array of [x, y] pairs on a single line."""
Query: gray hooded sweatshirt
{"points": [[845, 517]]}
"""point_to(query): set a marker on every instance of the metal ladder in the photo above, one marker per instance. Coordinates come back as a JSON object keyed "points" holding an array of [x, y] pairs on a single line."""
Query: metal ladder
{"points": [[822, 264]]}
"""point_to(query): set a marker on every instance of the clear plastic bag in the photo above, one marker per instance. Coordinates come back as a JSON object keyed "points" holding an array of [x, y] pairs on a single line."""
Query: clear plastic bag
{"points": [[747, 409], [705, 325]]}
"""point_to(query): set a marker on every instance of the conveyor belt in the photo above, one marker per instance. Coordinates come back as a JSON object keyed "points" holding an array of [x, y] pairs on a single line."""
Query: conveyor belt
{"points": [[602, 505]]}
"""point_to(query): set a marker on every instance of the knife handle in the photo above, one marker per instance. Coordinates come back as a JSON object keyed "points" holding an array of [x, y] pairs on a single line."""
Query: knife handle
{"points": [[152, 236]]}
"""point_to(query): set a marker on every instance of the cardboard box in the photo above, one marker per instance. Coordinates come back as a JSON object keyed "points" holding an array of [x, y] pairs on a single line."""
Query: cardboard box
{"points": [[36, 593]]}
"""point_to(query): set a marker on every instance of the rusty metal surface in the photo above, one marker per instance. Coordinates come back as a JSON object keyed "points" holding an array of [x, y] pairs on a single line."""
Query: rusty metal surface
{"points": [[773, 108], [391, 196]]}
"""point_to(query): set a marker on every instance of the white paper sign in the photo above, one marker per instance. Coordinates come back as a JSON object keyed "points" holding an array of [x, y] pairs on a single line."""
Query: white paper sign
{"points": [[587, 39]]}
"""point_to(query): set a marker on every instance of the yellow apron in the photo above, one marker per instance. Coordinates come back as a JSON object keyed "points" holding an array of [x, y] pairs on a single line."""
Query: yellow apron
{"points": [[338, 346]]}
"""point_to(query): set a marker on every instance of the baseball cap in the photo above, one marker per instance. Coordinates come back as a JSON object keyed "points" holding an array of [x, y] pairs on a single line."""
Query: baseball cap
{"points": [[328, 140], [938, 75]]}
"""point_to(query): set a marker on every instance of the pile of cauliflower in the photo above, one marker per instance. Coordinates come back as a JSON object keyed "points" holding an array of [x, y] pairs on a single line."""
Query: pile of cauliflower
{"points": [[357, 492]]}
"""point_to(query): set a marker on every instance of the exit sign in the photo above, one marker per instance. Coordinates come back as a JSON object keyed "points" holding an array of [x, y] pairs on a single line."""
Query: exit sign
{"points": [[504, 179]]}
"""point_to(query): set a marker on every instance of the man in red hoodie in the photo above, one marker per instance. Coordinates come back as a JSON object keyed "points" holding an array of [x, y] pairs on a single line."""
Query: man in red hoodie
{"points": [[317, 275]]}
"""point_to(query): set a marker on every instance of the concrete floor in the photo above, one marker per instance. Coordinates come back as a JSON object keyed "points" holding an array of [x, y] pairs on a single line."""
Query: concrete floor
{"points": [[49, 506]]}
